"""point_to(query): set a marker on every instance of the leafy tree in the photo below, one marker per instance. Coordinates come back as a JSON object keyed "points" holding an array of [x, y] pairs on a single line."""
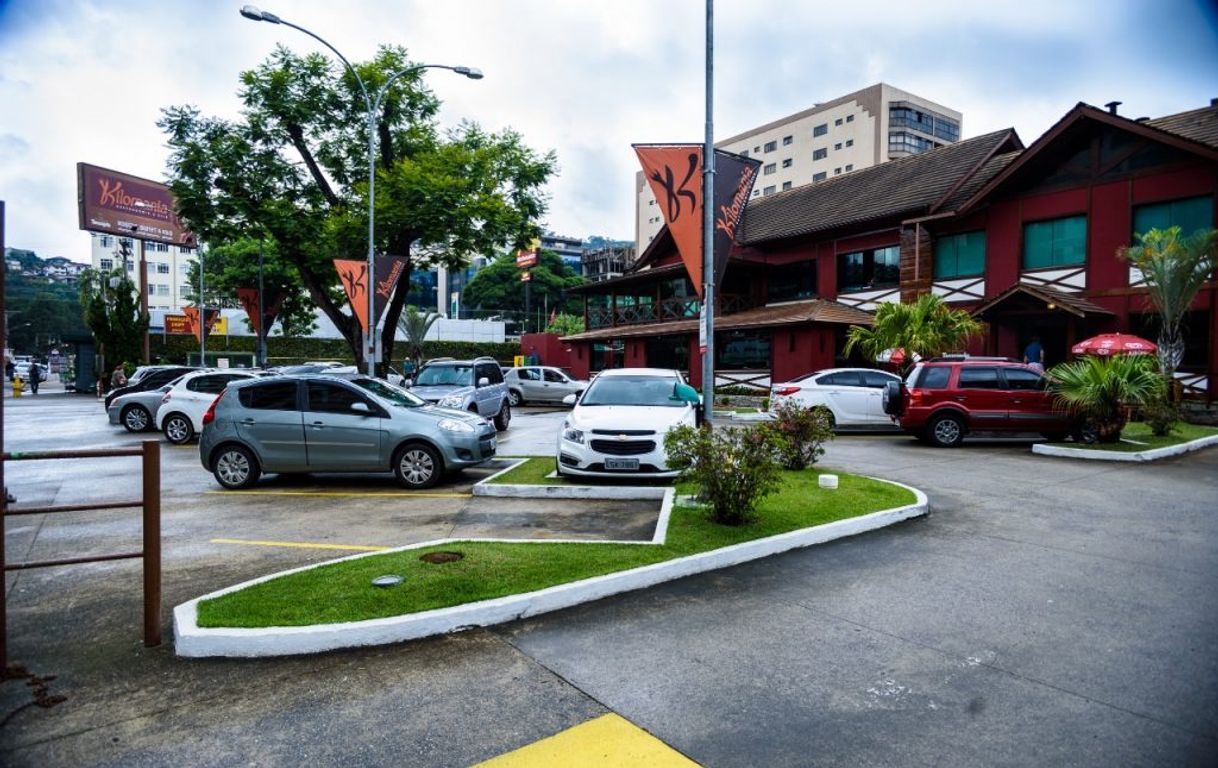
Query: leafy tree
{"points": [[926, 326], [1102, 388], [415, 325], [112, 314], [293, 169], [566, 325], [1175, 268], [498, 286]]}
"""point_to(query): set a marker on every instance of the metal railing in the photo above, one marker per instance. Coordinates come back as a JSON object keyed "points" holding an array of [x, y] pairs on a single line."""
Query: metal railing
{"points": [[150, 503]]}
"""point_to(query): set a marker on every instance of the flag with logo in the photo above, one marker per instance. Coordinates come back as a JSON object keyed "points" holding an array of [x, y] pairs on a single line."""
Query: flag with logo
{"points": [[354, 277], [270, 309], [210, 316]]}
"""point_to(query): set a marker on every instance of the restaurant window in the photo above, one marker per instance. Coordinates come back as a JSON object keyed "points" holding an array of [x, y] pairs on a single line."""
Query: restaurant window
{"points": [[790, 282], [1190, 215], [741, 349], [960, 255], [668, 352], [865, 270], [1055, 243]]}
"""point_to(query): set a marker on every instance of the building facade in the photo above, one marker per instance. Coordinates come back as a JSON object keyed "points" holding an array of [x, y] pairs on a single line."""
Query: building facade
{"points": [[168, 267], [1026, 238], [855, 131]]}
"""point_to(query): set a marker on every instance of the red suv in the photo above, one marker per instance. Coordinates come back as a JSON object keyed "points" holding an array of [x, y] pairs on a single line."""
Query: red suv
{"points": [[944, 399]]}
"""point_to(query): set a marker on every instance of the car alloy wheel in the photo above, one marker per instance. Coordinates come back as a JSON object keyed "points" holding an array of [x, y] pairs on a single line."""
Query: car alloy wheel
{"points": [[947, 431], [418, 466], [504, 417], [515, 398], [178, 429], [235, 467], [136, 418]]}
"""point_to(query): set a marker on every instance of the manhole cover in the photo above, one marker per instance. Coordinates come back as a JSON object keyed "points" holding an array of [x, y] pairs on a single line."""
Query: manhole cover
{"points": [[442, 557]]}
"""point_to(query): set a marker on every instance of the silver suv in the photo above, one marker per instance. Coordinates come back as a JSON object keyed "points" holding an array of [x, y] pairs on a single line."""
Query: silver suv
{"points": [[321, 423], [469, 385]]}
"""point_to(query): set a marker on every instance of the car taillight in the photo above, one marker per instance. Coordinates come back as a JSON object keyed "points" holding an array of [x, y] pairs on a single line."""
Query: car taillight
{"points": [[915, 398], [210, 414], [784, 391]]}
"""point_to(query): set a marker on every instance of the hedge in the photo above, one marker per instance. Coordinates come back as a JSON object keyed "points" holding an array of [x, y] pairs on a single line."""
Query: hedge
{"points": [[291, 351]]}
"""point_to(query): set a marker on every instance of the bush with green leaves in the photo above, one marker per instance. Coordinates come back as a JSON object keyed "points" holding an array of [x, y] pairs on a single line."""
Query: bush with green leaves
{"points": [[733, 468], [800, 433], [1161, 415], [1103, 389]]}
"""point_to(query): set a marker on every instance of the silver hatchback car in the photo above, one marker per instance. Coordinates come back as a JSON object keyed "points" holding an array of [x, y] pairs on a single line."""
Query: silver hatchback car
{"points": [[320, 423]]}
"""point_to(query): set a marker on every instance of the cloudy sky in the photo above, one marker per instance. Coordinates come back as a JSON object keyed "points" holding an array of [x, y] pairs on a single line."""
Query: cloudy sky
{"points": [[85, 81]]}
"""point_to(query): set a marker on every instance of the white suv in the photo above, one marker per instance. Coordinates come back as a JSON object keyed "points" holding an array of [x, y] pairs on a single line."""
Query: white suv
{"points": [[180, 416]]}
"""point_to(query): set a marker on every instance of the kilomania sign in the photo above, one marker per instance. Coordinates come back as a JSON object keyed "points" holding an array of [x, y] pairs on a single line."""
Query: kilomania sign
{"points": [[118, 204], [354, 277]]}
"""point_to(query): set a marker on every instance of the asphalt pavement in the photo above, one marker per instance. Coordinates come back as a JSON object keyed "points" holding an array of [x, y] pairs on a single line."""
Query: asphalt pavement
{"points": [[1048, 612]]}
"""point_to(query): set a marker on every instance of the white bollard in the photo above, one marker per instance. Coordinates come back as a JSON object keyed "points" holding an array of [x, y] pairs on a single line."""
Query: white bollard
{"points": [[828, 481]]}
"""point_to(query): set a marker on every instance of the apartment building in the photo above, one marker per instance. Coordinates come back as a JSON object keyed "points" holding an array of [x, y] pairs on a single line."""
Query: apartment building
{"points": [[168, 267], [849, 133]]}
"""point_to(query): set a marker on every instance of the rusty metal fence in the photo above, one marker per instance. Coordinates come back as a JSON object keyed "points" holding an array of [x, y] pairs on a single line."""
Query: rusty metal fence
{"points": [[150, 503]]}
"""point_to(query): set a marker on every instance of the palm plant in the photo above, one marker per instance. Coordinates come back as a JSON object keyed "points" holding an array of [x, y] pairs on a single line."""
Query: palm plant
{"points": [[1175, 267], [415, 325], [926, 326], [1102, 389]]}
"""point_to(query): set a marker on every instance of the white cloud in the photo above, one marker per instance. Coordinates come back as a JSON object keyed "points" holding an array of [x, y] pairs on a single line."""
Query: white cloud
{"points": [[85, 80]]}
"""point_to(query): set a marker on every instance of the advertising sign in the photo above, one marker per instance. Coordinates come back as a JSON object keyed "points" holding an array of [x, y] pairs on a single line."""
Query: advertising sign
{"points": [[354, 277], [115, 203]]}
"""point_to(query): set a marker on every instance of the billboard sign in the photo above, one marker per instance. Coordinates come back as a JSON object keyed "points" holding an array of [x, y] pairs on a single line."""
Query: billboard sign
{"points": [[116, 203]]}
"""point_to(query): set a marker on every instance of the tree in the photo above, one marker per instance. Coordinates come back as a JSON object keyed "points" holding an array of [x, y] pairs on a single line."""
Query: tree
{"points": [[293, 169], [926, 326], [566, 325], [112, 314], [1175, 267], [498, 286], [415, 325]]}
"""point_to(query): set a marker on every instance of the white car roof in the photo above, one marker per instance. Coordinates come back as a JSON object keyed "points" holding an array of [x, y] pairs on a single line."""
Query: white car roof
{"points": [[657, 372]]}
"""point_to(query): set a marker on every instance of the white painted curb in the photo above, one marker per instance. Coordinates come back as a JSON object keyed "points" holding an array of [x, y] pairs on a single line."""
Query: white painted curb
{"points": [[193, 641], [1151, 455]]}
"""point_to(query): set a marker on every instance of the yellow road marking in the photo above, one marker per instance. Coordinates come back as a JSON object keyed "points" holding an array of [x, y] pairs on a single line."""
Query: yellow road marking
{"points": [[609, 740], [396, 494], [301, 545]]}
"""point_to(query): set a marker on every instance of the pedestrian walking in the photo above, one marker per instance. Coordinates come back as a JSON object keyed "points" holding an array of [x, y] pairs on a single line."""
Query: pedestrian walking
{"points": [[35, 375], [1034, 354], [119, 377]]}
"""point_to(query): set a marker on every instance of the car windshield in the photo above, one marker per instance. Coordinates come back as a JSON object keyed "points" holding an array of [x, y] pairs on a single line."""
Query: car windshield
{"points": [[445, 376], [387, 391], [633, 390]]}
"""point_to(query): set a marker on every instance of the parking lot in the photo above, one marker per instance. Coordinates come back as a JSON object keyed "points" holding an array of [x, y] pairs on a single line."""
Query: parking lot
{"points": [[1048, 612]]}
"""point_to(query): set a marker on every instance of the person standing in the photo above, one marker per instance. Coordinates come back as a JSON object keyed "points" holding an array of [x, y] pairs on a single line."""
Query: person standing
{"points": [[1034, 354], [35, 375], [118, 378]]}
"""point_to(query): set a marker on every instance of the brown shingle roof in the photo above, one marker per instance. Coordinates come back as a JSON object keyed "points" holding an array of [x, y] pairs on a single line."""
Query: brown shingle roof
{"points": [[799, 312], [1200, 125], [1018, 295], [897, 189]]}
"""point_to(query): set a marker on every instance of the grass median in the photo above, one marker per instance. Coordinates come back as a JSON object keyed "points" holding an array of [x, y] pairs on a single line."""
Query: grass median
{"points": [[342, 591], [1137, 436]]}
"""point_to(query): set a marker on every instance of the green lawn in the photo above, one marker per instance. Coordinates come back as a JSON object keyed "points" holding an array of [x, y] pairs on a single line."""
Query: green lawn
{"points": [[342, 591], [532, 472], [1139, 432]]}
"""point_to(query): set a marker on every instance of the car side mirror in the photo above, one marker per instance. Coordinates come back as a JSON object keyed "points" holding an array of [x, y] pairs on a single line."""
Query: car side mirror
{"points": [[361, 408], [569, 400], [484, 382]]}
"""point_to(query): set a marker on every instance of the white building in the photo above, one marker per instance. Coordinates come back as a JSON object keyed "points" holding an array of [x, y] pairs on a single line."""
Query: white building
{"points": [[855, 131], [168, 268]]}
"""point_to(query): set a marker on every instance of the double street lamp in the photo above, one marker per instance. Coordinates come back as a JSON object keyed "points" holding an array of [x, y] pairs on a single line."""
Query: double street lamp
{"points": [[372, 106]]}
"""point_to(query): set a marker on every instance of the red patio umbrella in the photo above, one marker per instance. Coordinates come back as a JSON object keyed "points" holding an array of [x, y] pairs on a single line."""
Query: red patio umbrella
{"points": [[1114, 344]]}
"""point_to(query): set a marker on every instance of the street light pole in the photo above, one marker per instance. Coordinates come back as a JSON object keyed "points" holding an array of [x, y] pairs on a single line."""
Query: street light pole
{"points": [[372, 106]]}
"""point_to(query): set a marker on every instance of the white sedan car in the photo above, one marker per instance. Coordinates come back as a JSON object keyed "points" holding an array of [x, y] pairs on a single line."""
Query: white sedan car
{"points": [[180, 416], [617, 426], [853, 395]]}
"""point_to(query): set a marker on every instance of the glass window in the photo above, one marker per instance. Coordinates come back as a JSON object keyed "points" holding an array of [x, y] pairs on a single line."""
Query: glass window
{"points": [[877, 379], [1055, 243], [325, 397], [837, 146], [849, 168], [849, 142], [740, 349], [934, 377], [770, 146], [786, 185], [820, 176], [1023, 379], [105, 264], [849, 118], [786, 140], [960, 255], [979, 378], [786, 163], [280, 396], [1189, 215], [865, 270], [790, 282], [211, 385], [840, 379], [821, 129], [837, 121], [837, 171], [668, 352], [769, 168], [768, 190], [162, 269], [820, 154], [527, 374], [632, 390], [490, 371], [554, 377]]}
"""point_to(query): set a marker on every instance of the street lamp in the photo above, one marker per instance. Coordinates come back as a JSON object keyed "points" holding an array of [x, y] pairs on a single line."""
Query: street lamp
{"points": [[372, 106]]}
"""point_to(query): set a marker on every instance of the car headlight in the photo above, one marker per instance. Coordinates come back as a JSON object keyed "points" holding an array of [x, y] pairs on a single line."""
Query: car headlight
{"points": [[451, 401], [572, 434], [454, 425]]}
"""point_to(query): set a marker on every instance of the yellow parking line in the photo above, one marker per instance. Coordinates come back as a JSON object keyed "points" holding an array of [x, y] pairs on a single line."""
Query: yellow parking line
{"points": [[609, 740], [300, 545], [346, 493]]}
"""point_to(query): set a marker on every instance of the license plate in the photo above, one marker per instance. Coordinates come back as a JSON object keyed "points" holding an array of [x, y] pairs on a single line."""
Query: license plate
{"points": [[621, 463]]}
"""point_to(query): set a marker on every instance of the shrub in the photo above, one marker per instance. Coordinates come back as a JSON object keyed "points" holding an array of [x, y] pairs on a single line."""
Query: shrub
{"points": [[800, 433], [733, 468], [1161, 415], [1102, 389]]}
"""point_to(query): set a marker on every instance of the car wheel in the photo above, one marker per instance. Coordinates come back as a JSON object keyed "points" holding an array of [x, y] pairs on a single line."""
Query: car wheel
{"points": [[1086, 433], [135, 418], [515, 398], [418, 466], [235, 467], [946, 430], [178, 429], [504, 417]]}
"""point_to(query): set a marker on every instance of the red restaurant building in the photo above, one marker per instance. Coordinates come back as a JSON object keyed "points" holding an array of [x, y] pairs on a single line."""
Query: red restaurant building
{"points": [[1026, 238]]}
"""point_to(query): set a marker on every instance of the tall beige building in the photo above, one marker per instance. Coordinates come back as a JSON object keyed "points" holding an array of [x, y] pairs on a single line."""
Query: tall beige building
{"points": [[854, 131], [167, 265]]}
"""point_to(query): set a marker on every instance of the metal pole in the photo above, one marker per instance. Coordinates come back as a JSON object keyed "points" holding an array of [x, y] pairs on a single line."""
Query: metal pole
{"points": [[3, 487], [371, 329], [144, 298], [202, 315], [152, 543], [708, 256], [262, 330]]}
